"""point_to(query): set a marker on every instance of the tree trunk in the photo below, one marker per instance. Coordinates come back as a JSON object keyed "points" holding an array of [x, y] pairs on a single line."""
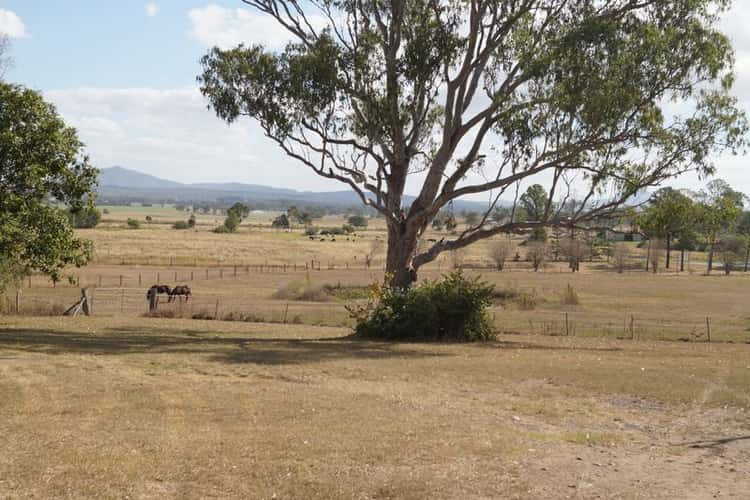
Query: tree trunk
{"points": [[710, 259], [399, 261], [669, 249], [682, 260], [648, 254], [747, 256]]}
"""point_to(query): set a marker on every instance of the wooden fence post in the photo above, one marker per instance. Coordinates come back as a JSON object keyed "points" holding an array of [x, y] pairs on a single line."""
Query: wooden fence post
{"points": [[632, 329], [567, 327], [708, 328], [18, 301]]}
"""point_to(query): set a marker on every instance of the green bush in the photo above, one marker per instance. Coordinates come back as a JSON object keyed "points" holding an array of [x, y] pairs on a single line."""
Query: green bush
{"points": [[181, 225], [134, 224], [311, 231], [454, 308]]}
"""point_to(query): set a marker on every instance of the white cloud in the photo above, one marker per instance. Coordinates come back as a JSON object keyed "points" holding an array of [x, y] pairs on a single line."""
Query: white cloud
{"points": [[213, 25], [11, 25], [152, 9]]}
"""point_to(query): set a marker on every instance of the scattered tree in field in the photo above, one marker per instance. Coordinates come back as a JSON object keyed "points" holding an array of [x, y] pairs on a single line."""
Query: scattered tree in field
{"points": [[534, 207], [149, 219], [181, 225], [619, 256], [536, 253], [668, 215], [44, 177], [235, 214], [281, 222], [475, 97], [730, 249], [357, 221], [655, 249], [574, 250], [718, 210], [85, 218], [191, 221], [500, 250], [133, 224]]}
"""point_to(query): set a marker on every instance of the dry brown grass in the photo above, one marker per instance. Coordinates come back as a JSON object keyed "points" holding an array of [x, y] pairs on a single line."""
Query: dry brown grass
{"points": [[150, 408]]}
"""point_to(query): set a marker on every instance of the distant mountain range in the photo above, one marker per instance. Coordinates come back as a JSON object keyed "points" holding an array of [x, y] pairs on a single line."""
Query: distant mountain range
{"points": [[122, 185]]}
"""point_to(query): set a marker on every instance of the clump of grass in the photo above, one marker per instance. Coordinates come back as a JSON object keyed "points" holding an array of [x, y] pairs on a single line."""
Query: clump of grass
{"points": [[307, 291], [525, 301], [570, 297], [343, 292]]}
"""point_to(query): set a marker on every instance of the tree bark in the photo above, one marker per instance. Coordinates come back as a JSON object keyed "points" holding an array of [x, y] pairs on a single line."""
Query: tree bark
{"points": [[399, 266], [710, 259], [747, 256], [682, 260], [669, 249]]}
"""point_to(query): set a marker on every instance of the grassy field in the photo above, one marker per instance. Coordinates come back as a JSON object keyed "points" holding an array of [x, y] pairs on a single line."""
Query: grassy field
{"points": [[576, 399], [148, 408]]}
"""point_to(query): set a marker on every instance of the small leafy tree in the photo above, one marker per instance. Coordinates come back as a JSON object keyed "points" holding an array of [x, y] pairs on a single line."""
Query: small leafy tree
{"points": [[86, 218], [668, 215], [281, 222], [500, 250], [191, 221], [181, 225], [43, 174], [536, 252], [717, 213], [357, 220]]}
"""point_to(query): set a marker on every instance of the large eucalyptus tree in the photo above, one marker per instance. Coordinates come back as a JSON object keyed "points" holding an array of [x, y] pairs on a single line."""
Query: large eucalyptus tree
{"points": [[596, 99]]}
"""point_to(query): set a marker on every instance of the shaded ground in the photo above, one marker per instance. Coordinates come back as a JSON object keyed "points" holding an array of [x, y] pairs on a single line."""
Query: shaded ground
{"points": [[110, 407]]}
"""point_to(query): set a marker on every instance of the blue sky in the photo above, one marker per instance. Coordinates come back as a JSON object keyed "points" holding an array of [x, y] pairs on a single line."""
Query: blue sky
{"points": [[95, 43], [123, 73]]}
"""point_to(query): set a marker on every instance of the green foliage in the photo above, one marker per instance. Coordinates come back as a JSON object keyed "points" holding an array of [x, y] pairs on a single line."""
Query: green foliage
{"points": [[357, 221], [44, 176], [191, 221], [381, 95], [281, 222], [133, 224], [232, 222], [453, 308], [311, 231], [223, 229], [348, 228], [181, 225], [86, 218], [669, 213]]}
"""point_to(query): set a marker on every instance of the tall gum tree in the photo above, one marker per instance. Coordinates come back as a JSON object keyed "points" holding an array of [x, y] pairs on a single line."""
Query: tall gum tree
{"points": [[475, 97]]}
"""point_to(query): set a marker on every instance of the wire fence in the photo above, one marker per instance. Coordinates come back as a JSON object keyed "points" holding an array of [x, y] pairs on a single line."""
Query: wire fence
{"points": [[125, 301]]}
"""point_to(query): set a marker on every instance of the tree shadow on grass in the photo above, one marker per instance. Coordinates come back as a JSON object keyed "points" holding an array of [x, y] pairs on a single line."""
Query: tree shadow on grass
{"points": [[217, 347]]}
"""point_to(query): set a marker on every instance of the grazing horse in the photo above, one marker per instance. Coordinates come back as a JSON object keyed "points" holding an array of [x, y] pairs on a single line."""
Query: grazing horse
{"points": [[157, 290], [179, 291]]}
